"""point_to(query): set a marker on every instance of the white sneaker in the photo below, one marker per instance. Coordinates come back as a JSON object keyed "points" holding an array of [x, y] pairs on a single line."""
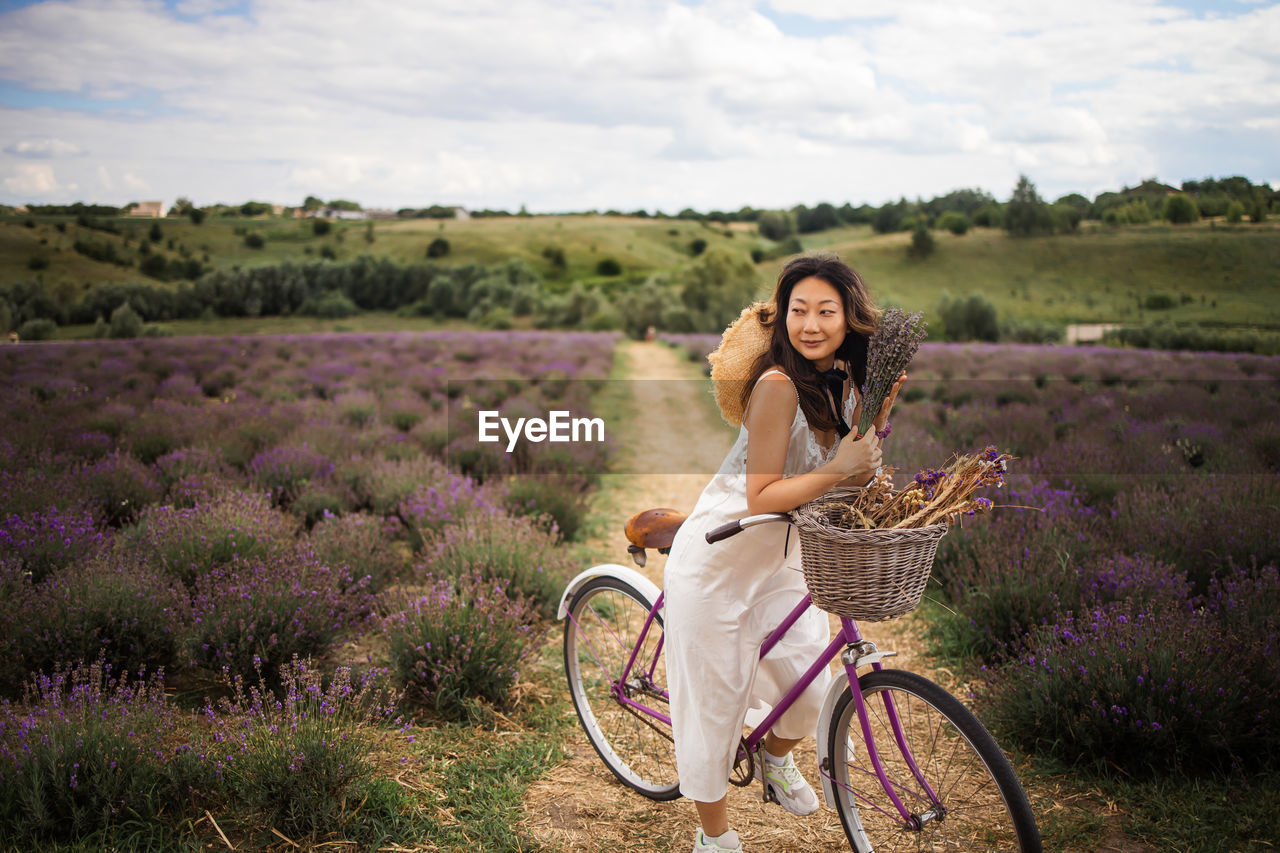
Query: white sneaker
{"points": [[728, 841], [786, 785]]}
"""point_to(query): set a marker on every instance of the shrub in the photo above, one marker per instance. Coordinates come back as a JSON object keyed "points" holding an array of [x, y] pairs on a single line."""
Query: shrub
{"points": [[362, 544], [39, 329], [423, 493], [451, 498], [357, 408], [1028, 331], [107, 609], [518, 551], [1180, 209], [955, 222], [254, 240], [254, 615], [125, 322], [463, 640], [1235, 212], [1207, 525], [118, 487], [43, 541], [971, 318], [330, 305], [608, 266], [555, 255], [564, 501], [1144, 691], [319, 500], [299, 757], [321, 227], [38, 262], [989, 216], [283, 472], [697, 247], [190, 543], [776, 224], [922, 243], [438, 248], [81, 756]]}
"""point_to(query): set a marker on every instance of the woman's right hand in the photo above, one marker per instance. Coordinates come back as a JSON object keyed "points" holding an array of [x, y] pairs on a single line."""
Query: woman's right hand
{"points": [[858, 458]]}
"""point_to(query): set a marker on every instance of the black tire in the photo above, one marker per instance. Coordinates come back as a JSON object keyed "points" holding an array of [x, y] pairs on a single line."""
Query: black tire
{"points": [[982, 805], [600, 631]]}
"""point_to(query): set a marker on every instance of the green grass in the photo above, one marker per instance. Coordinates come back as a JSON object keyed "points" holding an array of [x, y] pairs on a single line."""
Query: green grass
{"points": [[1077, 813], [641, 246], [1213, 275], [477, 778], [374, 321], [1101, 275]]}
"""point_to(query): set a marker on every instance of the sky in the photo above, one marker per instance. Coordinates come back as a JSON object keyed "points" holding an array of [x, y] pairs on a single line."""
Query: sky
{"points": [[571, 106]]}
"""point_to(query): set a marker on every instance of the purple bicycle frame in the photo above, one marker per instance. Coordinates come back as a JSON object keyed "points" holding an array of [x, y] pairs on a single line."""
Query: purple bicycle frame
{"points": [[848, 635]]}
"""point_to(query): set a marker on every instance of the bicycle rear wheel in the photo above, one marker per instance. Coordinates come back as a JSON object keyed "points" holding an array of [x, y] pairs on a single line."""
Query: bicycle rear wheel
{"points": [[604, 623], [979, 803]]}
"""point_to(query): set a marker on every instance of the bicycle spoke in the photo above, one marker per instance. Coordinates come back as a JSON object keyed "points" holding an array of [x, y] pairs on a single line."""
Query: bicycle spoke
{"points": [[936, 746], [635, 745]]}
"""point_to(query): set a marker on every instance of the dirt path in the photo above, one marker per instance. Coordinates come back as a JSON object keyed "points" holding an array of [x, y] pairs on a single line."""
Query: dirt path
{"points": [[579, 805]]}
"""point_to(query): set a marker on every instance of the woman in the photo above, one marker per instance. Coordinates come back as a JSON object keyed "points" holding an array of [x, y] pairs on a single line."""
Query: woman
{"points": [[722, 600]]}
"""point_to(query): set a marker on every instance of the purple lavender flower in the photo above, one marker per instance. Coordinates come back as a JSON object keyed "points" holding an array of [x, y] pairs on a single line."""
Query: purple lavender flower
{"points": [[894, 343]]}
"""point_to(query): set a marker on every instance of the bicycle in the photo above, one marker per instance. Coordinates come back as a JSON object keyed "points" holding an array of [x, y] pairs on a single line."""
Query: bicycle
{"points": [[904, 763]]}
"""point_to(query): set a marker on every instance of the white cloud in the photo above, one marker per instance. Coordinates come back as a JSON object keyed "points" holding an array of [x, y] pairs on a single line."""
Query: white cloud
{"points": [[625, 104], [42, 149], [34, 179]]}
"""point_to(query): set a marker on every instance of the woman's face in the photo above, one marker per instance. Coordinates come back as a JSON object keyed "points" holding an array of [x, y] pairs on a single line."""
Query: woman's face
{"points": [[815, 321]]}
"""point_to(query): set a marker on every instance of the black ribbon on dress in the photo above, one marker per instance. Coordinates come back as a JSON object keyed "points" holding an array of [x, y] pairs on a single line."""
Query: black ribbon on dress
{"points": [[834, 379]]}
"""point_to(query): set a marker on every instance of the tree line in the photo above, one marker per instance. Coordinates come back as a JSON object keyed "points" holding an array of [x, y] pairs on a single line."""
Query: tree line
{"points": [[702, 297], [1212, 197]]}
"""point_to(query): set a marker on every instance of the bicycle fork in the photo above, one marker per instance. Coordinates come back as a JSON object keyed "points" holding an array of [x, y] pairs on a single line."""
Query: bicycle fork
{"points": [[858, 653]]}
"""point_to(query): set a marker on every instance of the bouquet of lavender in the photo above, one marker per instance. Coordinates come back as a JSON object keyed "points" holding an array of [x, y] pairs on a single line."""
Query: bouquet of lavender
{"points": [[891, 348], [933, 496]]}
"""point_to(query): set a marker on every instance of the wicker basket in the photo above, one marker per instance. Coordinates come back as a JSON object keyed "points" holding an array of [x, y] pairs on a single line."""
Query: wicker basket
{"points": [[870, 575]]}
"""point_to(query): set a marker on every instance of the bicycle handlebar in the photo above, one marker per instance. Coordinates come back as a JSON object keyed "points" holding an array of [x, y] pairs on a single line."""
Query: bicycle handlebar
{"points": [[733, 528]]}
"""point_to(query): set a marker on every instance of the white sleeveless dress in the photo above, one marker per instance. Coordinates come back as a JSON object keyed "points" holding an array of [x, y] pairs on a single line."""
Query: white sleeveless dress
{"points": [[722, 601]]}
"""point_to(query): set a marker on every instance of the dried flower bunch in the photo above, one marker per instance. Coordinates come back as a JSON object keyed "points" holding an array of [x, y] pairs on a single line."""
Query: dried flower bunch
{"points": [[890, 350], [934, 495]]}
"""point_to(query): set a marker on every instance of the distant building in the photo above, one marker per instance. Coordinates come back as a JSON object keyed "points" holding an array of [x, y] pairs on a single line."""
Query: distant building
{"points": [[148, 209], [277, 209], [331, 213], [460, 212]]}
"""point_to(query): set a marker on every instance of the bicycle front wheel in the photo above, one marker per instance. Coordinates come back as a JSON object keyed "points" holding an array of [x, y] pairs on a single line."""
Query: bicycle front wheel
{"points": [[943, 765], [600, 636]]}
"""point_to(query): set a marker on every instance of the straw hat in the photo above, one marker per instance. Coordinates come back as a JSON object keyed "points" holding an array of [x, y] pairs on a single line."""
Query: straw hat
{"points": [[731, 362]]}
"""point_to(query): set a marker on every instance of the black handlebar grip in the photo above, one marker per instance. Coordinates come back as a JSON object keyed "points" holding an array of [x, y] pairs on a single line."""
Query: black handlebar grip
{"points": [[724, 531]]}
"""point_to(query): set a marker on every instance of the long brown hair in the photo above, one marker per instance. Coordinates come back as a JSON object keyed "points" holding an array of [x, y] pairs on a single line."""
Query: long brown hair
{"points": [[860, 322]]}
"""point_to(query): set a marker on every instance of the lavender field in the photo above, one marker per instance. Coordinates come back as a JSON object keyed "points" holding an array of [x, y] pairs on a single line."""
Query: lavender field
{"points": [[206, 542], [1120, 608], [249, 578]]}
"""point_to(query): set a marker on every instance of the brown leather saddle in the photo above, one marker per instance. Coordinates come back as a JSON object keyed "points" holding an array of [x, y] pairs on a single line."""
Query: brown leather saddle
{"points": [[653, 528]]}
